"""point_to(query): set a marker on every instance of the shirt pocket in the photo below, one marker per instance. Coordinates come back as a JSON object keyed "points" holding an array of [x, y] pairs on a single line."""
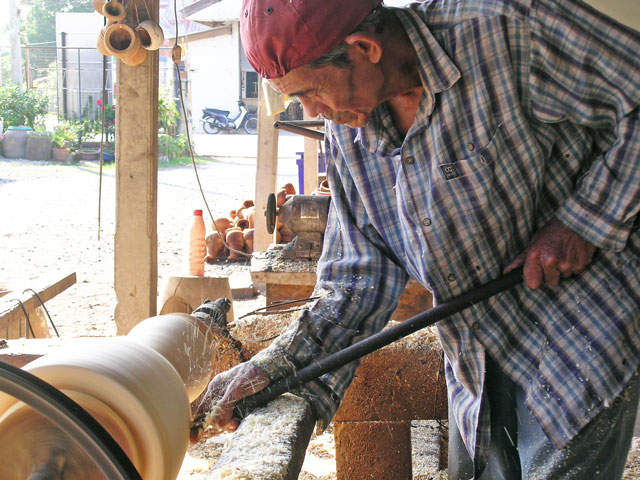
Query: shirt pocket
{"points": [[465, 185]]}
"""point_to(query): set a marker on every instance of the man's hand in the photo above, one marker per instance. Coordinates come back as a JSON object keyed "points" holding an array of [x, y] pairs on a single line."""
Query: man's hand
{"points": [[555, 251], [223, 393]]}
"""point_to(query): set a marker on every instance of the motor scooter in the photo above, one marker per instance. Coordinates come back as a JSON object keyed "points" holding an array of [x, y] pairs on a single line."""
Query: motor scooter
{"points": [[214, 120]]}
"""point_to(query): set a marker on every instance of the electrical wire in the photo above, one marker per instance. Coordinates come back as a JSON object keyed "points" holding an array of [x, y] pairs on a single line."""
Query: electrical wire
{"points": [[26, 317], [44, 308], [176, 55]]}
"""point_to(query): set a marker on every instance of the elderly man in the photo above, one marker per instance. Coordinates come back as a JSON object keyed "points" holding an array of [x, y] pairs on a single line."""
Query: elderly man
{"points": [[467, 138]]}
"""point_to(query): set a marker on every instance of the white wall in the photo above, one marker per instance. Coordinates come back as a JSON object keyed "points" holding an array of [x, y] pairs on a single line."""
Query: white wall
{"points": [[215, 74], [81, 29], [624, 11]]}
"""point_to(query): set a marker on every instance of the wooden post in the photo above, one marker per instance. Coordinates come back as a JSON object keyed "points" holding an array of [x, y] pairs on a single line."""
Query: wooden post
{"points": [[136, 237], [310, 163], [266, 173], [14, 38]]}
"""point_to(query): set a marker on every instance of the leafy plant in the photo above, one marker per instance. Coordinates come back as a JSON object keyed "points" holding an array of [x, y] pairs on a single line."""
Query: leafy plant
{"points": [[21, 108], [173, 147], [87, 129], [64, 133], [167, 112], [109, 120]]}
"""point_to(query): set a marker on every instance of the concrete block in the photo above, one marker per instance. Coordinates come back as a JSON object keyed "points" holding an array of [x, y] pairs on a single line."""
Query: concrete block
{"points": [[373, 450]]}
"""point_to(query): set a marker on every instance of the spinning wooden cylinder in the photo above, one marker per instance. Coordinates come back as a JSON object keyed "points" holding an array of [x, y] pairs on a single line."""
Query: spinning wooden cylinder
{"points": [[138, 387]]}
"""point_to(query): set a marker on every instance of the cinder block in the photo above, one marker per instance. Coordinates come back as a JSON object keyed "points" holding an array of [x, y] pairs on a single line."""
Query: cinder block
{"points": [[373, 450], [397, 383]]}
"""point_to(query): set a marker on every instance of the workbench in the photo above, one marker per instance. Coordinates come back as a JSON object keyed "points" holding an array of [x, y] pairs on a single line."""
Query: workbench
{"points": [[295, 279], [392, 387]]}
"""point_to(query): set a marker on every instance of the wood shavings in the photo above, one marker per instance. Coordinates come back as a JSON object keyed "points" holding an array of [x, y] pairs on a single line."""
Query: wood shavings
{"points": [[262, 448], [273, 260], [425, 338], [256, 332]]}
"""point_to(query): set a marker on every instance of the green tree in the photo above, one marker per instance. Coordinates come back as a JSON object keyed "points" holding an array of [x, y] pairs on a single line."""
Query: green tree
{"points": [[41, 17]]}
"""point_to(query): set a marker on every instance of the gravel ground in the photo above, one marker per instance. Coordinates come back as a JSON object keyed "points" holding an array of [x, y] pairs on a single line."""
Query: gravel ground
{"points": [[49, 223]]}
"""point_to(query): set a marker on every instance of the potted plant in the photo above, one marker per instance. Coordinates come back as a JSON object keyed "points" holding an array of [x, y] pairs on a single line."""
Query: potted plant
{"points": [[62, 140]]}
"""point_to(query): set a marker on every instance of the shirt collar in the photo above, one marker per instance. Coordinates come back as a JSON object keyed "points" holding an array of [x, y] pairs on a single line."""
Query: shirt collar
{"points": [[437, 74]]}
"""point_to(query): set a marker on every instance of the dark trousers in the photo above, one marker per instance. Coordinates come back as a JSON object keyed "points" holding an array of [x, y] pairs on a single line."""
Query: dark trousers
{"points": [[521, 450]]}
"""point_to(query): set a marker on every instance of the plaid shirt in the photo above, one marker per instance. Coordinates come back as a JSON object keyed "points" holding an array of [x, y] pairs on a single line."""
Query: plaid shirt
{"points": [[529, 111]]}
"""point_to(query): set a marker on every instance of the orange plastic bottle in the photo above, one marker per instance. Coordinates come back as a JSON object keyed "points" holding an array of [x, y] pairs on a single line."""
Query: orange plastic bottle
{"points": [[197, 246]]}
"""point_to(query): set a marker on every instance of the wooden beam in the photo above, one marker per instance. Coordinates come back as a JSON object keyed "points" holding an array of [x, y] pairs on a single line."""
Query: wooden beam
{"points": [[46, 288], [195, 7], [136, 237], [310, 163], [266, 173]]}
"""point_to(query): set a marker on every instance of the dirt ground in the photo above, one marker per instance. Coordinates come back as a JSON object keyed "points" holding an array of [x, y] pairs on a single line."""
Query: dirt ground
{"points": [[49, 224]]}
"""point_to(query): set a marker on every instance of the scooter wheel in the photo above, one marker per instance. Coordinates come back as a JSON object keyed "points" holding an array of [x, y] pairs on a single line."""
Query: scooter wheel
{"points": [[251, 125], [210, 126]]}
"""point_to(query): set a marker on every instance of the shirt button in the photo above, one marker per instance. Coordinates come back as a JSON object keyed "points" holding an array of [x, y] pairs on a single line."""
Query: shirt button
{"points": [[471, 147], [409, 160], [451, 277], [475, 326], [426, 222]]}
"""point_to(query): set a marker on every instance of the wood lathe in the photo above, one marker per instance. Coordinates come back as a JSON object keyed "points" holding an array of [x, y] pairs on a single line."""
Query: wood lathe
{"points": [[138, 387]]}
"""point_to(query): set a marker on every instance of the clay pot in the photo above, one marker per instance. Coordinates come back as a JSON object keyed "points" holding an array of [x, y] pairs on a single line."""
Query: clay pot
{"points": [[286, 235], [239, 214], [249, 214], [151, 35], [221, 225], [242, 223], [235, 240], [61, 155], [100, 42], [247, 204], [289, 188], [215, 247], [122, 41], [114, 11], [281, 197], [248, 240], [233, 214], [98, 4]]}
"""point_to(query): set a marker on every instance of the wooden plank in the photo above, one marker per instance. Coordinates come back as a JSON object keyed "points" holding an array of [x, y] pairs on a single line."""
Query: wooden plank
{"points": [[284, 278], [46, 288], [266, 173], [310, 163]]}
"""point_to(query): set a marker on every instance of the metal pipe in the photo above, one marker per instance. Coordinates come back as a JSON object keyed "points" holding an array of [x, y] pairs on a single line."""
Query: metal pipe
{"points": [[377, 341], [299, 130]]}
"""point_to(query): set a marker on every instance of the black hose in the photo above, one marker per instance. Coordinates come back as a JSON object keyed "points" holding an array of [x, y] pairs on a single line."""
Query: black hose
{"points": [[377, 341]]}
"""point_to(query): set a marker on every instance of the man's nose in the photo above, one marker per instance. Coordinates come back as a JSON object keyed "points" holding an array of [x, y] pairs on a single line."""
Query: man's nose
{"points": [[313, 108]]}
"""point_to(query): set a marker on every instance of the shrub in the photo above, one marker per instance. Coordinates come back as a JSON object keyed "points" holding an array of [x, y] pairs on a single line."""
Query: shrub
{"points": [[62, 133], [21, 108], [173, 147], [167, 112]]}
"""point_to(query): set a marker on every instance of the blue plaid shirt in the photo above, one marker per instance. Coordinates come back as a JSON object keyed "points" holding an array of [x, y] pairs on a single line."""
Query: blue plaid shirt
{"points": [[529, 111]]}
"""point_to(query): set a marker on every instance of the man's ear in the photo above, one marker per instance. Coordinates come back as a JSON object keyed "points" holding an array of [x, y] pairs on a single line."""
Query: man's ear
{"points": [[366, 44]]}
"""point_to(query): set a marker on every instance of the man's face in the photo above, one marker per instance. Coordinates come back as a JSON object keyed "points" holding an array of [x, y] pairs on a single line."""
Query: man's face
{"points": [[344, 95]]}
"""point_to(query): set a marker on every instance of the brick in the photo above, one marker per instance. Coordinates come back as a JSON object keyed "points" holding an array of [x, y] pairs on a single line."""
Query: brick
{"points": [[373, 450], [397, 384]]}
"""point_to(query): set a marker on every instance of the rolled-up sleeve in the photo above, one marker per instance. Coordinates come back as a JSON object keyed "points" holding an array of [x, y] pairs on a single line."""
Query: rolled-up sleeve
{"points": [[359, 284]]}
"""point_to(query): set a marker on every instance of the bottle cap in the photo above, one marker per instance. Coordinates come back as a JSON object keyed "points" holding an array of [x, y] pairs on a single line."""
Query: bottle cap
{"points": [[197, 213]]}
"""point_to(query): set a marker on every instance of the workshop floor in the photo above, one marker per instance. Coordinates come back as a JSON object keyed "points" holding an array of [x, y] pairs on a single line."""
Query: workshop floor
{"points": [[49, 224]]}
